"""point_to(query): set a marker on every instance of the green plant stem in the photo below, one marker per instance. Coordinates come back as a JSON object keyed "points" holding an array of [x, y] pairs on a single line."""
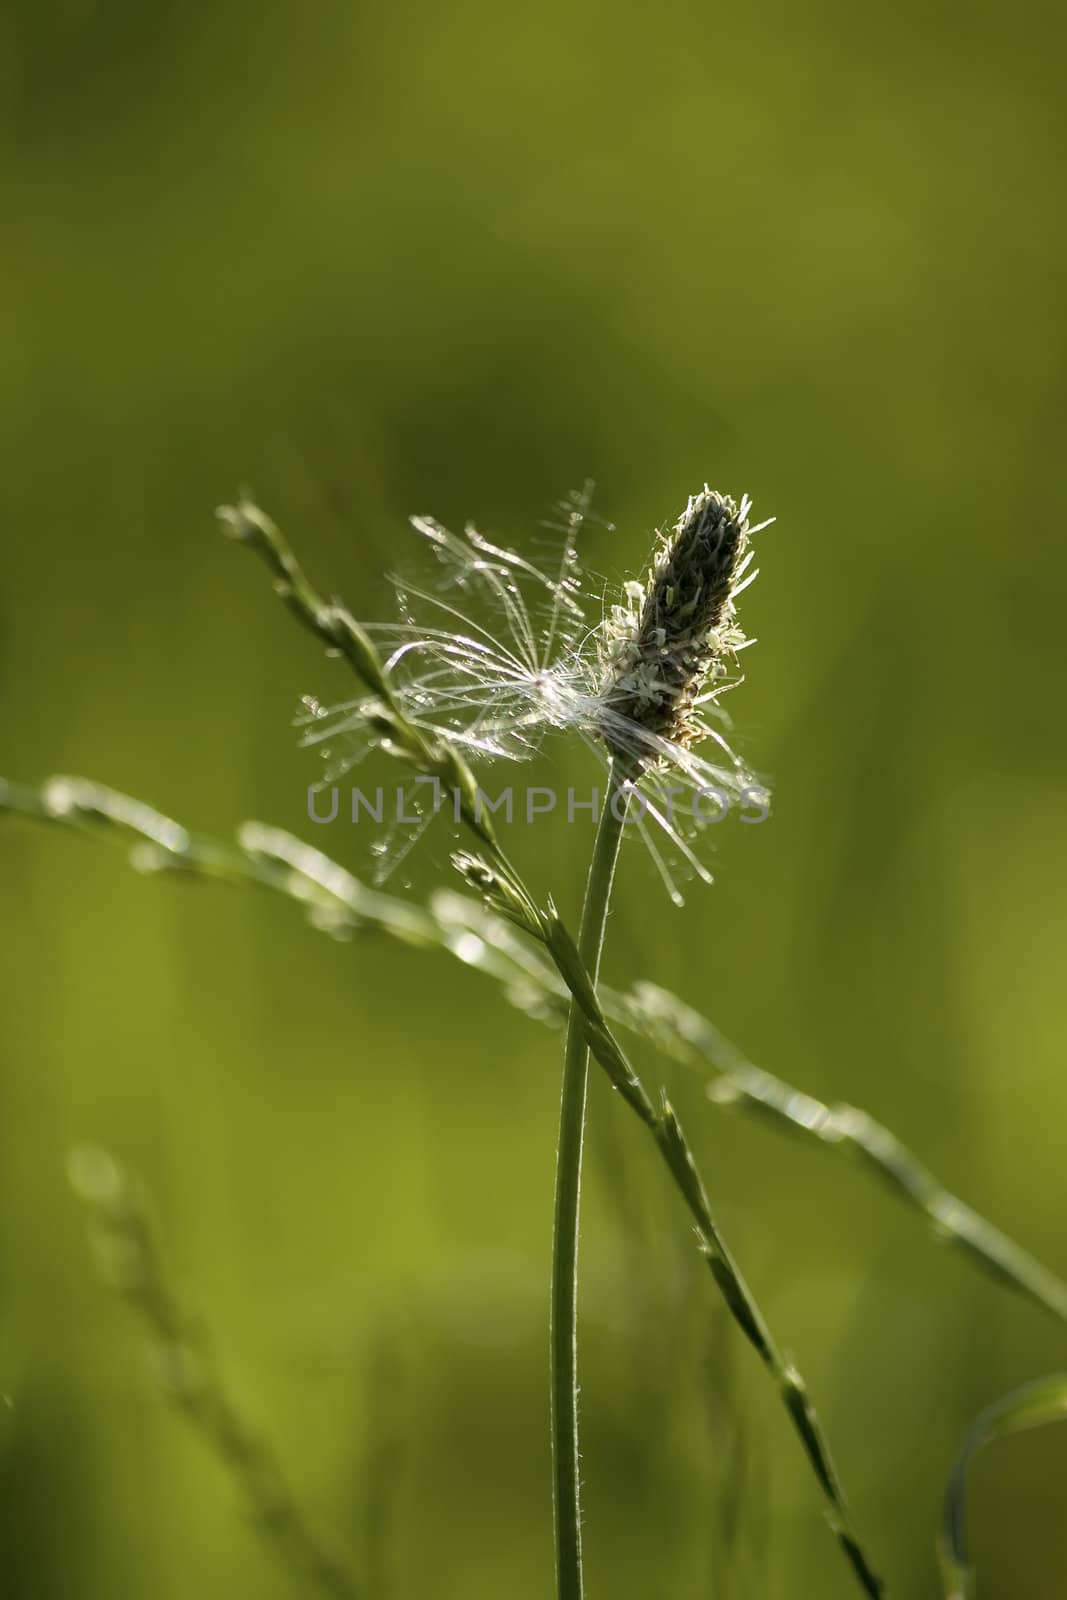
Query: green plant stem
{"points": [[564, 1312], [677, 1155]]}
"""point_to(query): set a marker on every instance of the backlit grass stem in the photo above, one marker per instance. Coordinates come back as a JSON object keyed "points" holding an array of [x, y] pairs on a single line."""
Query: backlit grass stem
{"points": [[566, 1459]]}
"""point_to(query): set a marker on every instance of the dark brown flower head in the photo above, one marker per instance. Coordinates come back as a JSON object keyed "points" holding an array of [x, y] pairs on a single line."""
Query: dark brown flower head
{"points": [[670, 653]]}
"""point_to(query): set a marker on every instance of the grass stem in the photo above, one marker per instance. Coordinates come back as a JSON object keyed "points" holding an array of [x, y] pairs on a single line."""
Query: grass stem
{"points": [[564, 1312]]}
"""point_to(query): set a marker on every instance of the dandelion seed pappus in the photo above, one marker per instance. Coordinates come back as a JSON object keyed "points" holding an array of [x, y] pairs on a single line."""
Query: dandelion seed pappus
{"points": [[505, 650]]}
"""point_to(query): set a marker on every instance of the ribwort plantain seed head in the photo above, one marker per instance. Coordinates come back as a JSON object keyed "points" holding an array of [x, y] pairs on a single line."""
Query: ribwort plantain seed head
{"points": [[682, 634]]}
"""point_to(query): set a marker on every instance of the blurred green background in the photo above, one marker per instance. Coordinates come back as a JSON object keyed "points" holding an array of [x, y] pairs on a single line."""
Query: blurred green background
{"points": [[378, 260]]}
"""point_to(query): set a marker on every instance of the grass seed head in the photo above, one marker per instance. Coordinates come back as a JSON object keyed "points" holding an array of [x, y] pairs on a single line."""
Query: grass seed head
{"points": [[670, 650]]}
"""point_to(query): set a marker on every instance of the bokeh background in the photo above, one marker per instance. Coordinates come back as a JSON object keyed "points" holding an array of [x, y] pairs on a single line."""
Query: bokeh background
{"points": [[387, 259]]}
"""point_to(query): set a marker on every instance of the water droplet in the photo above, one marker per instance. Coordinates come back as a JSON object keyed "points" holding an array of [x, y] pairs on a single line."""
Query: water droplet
{"points": [[469, 948]]}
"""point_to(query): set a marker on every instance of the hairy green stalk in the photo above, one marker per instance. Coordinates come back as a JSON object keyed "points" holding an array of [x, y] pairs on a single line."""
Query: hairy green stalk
{"points": [[566, 1459]]}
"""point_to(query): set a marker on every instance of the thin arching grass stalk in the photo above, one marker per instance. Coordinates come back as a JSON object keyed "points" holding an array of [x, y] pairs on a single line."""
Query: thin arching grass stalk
{"points": [[188, 1370], [740, 1086], [495, 878], [1035, 1405], [337, 902], [566, 1455]]}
